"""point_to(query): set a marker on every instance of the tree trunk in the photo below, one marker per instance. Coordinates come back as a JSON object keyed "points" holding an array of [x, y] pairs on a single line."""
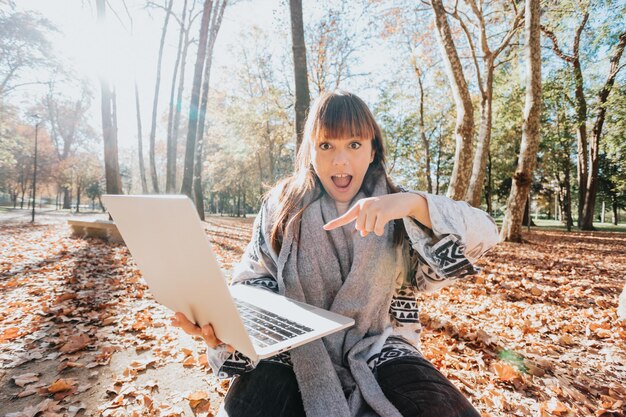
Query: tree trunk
{"points": [[155, 102], [464, 128], [192, 129], [216, 22], [438, 169], [109, 126], [512, 226], [592, 177], [142, 168], [78, 198], [615, 208], [299, 68], [170, 169], [581, 135], [474, 192], [489, 190], [239, 202], [67, 198], [424, 138], [569, 222], [526, 218], [198, 196]]}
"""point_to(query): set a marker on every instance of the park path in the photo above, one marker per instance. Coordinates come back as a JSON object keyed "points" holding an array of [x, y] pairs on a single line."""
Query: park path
{"points": [[535, 333]]}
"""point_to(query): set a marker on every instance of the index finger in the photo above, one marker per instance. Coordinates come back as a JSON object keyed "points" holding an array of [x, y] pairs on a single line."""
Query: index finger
{"points": [[347, 217]]}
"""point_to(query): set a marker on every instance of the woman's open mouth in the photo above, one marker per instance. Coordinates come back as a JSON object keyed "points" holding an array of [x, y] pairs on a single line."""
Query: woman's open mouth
{"points": [[342, 181]]}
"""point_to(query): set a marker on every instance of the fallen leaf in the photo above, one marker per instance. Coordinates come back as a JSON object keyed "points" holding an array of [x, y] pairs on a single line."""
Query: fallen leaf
{"points": [[61, 385], [76, 343], [189, 361], [505, 372], [24, 379]]}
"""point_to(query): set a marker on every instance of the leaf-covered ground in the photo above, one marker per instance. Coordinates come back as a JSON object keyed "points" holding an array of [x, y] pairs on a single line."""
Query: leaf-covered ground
{"points": [[534, 334]]}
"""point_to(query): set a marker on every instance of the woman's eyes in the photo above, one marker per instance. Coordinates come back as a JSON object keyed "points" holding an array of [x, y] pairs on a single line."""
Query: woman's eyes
{"points": [[326, 146]]}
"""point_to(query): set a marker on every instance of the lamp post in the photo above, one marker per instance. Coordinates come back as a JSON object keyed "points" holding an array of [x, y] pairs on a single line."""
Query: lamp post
{"points": [[36, 117]]}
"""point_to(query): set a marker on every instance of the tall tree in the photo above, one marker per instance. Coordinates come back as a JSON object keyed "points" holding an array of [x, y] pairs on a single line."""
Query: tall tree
{"points": [[580, 102], [216, 22], [299, 68], [522, 179], [155, 103], [192, 128], [485, 16], [603, 95], [109, 121], [176, 96], [464, 129], [142, 168], [422, 129]]}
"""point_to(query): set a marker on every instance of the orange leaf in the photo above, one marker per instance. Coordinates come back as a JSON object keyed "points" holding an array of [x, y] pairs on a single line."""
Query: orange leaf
{"points": [[505, 372], [61, 385], [10, 334], [75, 343], [189, 361]]}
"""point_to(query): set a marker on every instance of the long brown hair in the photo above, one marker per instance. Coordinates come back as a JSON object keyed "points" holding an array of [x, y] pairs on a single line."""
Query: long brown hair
{"points": [[333, 115]]}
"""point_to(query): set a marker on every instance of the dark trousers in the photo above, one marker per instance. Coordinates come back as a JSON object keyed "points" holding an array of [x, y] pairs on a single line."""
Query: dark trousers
{"points": [[411, 384]]}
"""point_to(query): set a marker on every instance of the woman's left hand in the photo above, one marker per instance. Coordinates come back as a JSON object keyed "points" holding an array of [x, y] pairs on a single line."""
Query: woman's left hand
{"points": [[373, 213]]}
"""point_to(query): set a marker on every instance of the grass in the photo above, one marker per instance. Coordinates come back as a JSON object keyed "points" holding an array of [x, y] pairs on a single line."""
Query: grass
{"points": [[550, 224]]}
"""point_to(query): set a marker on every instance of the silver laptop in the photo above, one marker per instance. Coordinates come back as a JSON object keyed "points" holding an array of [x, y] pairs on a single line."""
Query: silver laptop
{"points": [[167, 241]]}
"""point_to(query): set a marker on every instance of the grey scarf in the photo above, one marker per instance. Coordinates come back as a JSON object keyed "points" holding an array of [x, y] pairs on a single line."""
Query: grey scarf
{"points": [[332, 373]]}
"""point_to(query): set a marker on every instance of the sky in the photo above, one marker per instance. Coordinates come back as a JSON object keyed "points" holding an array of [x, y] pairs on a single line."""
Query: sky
{"points": [[133, 50]]}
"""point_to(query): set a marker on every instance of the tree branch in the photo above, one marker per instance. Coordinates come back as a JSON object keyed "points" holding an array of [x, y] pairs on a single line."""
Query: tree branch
{"points": [[555, 45], [579, 31], [455, 14]]}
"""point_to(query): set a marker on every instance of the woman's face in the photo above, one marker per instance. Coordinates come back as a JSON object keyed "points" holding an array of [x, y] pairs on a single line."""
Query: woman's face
{"points": [[341, 165]]}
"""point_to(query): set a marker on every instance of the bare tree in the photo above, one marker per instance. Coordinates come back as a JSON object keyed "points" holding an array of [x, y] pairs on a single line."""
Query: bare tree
{"points": [[333, 42], [423, 137], [216, 22], [155, 103], [109, 125], [522, 179], [142, 168], [464, 129], [176, 96], [192, 129], [212, 15], [484, 81], [299, 68]]}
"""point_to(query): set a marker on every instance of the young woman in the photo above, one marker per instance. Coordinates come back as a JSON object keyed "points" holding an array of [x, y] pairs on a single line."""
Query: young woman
{"points": [[340, 235]]}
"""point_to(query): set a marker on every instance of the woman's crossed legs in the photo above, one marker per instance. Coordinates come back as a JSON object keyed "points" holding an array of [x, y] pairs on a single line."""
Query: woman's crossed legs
{"points": [[412, 384]]}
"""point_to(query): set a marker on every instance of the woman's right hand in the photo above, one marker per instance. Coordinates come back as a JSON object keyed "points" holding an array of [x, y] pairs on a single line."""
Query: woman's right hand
{"points": [[206, 331]]}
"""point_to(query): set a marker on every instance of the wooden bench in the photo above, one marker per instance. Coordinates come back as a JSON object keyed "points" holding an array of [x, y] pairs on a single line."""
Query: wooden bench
{"points": [[103, 229]]}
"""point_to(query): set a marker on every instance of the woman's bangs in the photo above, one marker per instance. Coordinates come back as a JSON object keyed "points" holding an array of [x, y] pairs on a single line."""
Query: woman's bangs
{"points": [[342, 119]]}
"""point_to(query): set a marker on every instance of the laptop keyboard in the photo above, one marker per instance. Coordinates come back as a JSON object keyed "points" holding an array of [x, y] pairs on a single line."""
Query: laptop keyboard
{"points": [[267, 328]]}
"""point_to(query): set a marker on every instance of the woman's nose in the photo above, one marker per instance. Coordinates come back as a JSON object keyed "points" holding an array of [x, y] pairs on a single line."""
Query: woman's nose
{"points": [[340, 158]]}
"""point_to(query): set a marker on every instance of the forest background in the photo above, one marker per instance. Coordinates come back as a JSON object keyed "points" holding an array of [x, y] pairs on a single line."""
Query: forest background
{"points": [[387, 52], [516, 107]]}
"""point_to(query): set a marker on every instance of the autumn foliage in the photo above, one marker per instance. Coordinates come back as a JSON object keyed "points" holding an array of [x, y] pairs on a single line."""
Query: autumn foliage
{"points": [[535, 333]]}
